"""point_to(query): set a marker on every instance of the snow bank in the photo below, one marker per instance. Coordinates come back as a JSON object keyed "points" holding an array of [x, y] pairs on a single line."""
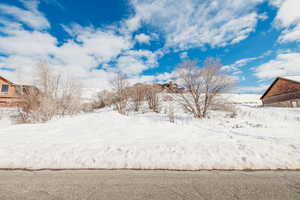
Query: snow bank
{"points": [[258, 138], [243, 98]]}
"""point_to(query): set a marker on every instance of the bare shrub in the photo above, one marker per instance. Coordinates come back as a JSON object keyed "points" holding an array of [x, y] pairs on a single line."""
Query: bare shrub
{"points": [[152, 98], [138, 96], [103, 99], [69, 99], [55, 96], [87, 107], [48, 84], [230, 109], [120, 84], [29, 107], [171, 113], [167, 98], [203, 85]]}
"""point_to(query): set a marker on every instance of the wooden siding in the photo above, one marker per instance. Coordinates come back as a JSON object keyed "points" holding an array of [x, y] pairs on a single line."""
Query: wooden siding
{"points": [[291, 104], [11, 98], [11, 90], [282, 93], [282, 97], [282, 86]]}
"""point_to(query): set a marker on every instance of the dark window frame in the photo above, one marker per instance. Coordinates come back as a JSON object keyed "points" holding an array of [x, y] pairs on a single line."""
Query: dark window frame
{"points": [[4, 91]]}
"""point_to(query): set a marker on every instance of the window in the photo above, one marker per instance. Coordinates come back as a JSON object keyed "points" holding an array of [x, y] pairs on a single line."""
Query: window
{"points": [[4, 88]]}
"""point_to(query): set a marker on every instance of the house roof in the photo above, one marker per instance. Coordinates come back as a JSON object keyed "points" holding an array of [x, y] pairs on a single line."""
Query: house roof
{"points": [[292, 78], [295, 79], [6, 80], [16, 84]]}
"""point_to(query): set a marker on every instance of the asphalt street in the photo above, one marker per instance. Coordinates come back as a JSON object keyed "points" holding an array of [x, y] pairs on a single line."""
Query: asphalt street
{"points": [[134, 184]]}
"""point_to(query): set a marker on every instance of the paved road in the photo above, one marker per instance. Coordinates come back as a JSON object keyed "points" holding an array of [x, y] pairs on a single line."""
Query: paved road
{"points": [[164, 185]]}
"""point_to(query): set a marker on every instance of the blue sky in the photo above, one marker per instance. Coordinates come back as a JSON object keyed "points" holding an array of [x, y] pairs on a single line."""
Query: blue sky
{"points": [[256, 40]]}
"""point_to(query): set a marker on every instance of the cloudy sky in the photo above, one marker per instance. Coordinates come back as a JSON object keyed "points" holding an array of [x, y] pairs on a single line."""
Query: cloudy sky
{"points": [[256, 40]]}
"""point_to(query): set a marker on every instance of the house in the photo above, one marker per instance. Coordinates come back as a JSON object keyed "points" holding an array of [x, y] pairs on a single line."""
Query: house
{"points": [[170, 87], [283, 92], [11, 94]]}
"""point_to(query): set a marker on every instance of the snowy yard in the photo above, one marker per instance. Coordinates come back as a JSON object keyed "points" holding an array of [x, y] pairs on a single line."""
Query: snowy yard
{"points": [[257, 138]]}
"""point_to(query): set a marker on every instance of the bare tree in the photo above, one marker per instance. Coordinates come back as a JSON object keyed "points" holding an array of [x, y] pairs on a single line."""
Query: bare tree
{"points": [[101, 100], [203, 85], [152, 98], [120, 84], [29, 105], [138, 94], [48, 83], [69, 100], [189, 76], [215, 82], [55, 96]]}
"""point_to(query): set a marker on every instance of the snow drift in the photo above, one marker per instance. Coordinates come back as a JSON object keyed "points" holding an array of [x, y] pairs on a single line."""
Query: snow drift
{"points": [[258, 138]]}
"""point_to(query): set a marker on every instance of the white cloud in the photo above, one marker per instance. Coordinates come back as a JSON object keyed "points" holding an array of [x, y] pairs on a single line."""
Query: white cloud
{"points": [[102, 45], [283, 65], [134, 63], [31, 17], [143, 38], [79, 56], [193, 23], [236, 66], [22, 42], [87, 49], [288, 18], [288, 13], [22, 65], [159, 78], [290, 34], [131, 24], [131, 65], [167, 76], [276, 3], [198, 24]]}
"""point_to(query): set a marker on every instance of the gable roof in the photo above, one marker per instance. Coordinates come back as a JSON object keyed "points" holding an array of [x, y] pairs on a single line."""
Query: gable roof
{"points": [[292, 78], [4, 79], [295, 79], [11, 83]]}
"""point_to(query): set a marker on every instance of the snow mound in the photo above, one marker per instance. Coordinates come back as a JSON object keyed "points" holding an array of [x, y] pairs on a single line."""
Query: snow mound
{"points": [[258, 138]]}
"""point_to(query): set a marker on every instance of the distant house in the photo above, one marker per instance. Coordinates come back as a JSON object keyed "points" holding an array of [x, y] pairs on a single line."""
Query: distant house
{"points": [[170, 87], [283, 92], [11, 94]]}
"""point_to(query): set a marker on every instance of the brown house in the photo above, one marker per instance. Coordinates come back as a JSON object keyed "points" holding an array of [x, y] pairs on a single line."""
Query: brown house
{"points": [[283, 92], [11, 94]]}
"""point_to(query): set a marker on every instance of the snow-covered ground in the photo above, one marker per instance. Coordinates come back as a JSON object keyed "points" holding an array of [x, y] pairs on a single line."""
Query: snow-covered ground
{"points": [[257, 138]]}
